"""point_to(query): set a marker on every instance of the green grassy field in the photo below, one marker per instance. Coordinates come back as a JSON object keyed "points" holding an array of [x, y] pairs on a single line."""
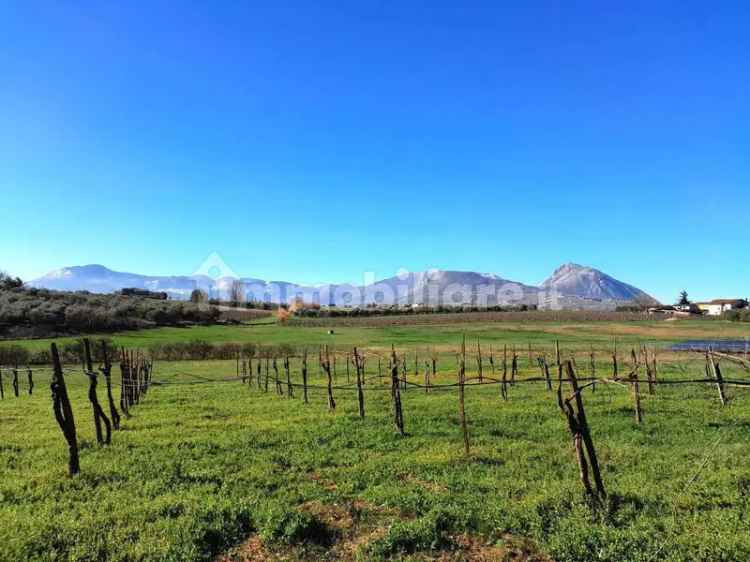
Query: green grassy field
{"points": [[223, 471], [580, 335]]}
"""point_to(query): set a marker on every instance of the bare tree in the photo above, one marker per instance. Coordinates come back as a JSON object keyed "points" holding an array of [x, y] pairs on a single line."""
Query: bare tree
{"points": [[237, 291], [198, 296]]}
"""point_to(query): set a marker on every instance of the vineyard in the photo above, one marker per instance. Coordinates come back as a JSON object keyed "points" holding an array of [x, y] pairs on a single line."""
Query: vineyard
{"points": [[473, 449]]}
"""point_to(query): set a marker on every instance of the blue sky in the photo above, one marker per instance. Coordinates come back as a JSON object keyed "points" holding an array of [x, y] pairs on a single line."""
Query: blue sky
{"points": [[314, 141]]}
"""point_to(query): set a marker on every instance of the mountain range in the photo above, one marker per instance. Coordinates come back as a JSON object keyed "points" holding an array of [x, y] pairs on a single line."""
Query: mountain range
{"points": [[570, 286]]}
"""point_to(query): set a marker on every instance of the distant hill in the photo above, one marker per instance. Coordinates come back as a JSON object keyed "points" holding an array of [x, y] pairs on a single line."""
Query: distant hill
{"points": [[570, 286], [588, 283]]}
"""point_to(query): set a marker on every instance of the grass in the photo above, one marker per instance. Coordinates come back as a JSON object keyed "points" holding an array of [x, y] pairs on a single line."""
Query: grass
{"points": [[201, 468], [580, 335]]}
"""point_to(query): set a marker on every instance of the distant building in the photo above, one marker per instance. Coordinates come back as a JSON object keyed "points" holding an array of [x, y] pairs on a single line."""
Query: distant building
{"points": [[717, 307]]}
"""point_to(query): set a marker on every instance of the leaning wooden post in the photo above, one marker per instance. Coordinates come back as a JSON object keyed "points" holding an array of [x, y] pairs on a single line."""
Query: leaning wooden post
{"points": [[2, 390], [585, 432], [576, 432], [716, 372], [63, 412], [398, 413], [304, 376], [99, 416], [461, 404], [30, 376], [358, 364], [106, 370], [544, 368]]}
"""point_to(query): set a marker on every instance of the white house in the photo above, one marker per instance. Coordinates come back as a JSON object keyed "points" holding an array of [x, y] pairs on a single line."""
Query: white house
{"points": [[717, 307]]}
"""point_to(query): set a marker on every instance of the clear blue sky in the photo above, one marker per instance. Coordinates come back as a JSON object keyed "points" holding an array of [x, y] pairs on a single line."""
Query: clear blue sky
{"points": [[313, 141]]}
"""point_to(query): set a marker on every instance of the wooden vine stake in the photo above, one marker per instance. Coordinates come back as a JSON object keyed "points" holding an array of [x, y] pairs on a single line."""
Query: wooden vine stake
{"points": [[544, 368], [326, 365], [304, 377], [514, 367], [14, 383], [479, 359], [583, 444], [615, 370], [461, 404], [124, 384], [63, 411], [592, 358], [359, 366], [427, 377], [715, 370], [276, 378], [398, 413], [2, 390], [30, 376], [504, 385], [649, 373], [99, 416], [636, 395], [106, 370], [288, 373]]}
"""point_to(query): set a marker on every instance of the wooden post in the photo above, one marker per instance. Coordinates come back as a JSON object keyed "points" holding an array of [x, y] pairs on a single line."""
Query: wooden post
{"points": [[304, 376], [615, 373], [636, 395], [504, 385], [63, 412], [398, 413], [2, 390], [403, 372], [716, 372], [587, 440], [15, 382], [544, 368], [514, 367], [649, 375], [558, 360], [258, 377], [106, 370], [461, 404], [427, 377], [358, 364], [30, 376], [276, 378], [124, 383], [327, 367], [582, 442], [99, 416], [479, 360], [268, 359], [593, 369], [287, 371], [531, 359]]}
